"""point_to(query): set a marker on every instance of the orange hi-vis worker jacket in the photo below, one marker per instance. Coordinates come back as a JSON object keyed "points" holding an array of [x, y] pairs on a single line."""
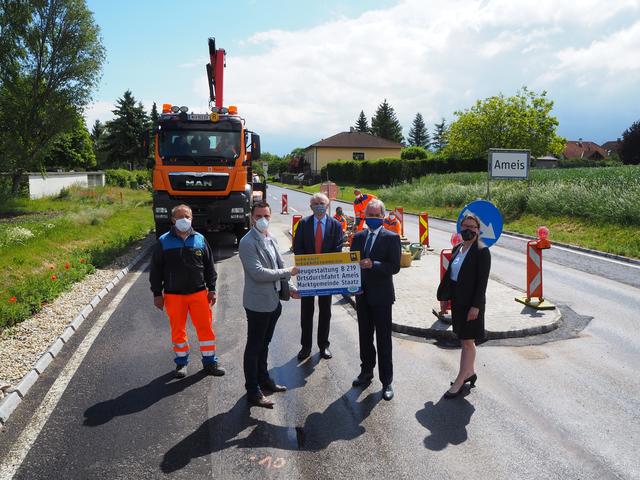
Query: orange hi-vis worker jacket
{"points": [[360, 204], [342, 220], [392, 225]]}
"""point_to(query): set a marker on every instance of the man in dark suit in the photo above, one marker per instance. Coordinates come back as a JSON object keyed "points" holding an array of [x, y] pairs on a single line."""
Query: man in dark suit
{"points": [[317, 233], [380, 253]]}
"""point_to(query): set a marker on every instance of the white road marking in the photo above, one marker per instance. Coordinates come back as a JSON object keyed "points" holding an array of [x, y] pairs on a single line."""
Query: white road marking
{"points": [[293, 209], [29, 435]]}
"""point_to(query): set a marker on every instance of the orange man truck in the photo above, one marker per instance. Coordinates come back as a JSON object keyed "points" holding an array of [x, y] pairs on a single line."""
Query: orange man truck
{"points": [[204, 160]]}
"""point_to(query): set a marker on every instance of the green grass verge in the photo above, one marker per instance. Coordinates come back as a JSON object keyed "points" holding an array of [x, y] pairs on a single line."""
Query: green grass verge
{"points": [[597, 234], [48, 244]]}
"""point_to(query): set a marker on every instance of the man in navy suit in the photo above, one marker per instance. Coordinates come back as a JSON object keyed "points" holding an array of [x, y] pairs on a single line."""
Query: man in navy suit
{"points": [[380, 253], [317, 233]]}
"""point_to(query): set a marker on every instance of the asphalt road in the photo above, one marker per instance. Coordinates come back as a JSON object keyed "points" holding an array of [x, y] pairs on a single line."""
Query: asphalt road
{"points": [[566, 409]]}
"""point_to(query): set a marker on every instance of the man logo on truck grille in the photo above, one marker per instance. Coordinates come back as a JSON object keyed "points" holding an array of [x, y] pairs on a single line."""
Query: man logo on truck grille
{"points": [[198, 183]]}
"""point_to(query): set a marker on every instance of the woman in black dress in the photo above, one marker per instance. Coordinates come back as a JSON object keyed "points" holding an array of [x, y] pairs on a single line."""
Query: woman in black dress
{"points": [[465, 284]]}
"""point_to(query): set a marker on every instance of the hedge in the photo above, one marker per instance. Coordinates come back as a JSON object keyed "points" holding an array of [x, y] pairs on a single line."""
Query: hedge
{"points": [[128, 178], [390, 170]]}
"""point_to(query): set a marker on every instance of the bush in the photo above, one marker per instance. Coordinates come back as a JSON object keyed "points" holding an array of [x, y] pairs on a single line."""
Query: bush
{"points": [[128, 178], [413, 153]]}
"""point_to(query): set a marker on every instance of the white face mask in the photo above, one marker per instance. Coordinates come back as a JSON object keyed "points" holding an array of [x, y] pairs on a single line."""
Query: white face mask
{"points": [[183, 224], [262, 224]]}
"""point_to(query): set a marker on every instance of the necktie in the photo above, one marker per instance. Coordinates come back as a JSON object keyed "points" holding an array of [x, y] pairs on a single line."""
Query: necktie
{"points": [[367, 245], [319, 237]]}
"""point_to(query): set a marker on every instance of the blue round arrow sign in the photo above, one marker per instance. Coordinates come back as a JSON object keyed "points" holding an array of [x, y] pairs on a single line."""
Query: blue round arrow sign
{"points": [[490, 220]]}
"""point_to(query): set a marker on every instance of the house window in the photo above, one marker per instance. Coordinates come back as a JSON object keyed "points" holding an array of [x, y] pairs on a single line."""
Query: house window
{"points": [[358, 155]]}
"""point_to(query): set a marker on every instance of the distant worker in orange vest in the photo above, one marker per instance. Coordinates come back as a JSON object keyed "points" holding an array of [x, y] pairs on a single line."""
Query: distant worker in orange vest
{"points": [[339, 216], [392, 223], [359, 207]]}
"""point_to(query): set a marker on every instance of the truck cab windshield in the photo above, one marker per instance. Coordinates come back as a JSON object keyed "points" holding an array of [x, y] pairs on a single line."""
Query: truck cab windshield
{"points": [[199, 147]]}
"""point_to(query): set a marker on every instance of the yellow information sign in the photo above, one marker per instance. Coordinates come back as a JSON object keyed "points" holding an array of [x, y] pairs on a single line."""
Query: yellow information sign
{"points": [[328, 273], [327, 258], [214, 117]]}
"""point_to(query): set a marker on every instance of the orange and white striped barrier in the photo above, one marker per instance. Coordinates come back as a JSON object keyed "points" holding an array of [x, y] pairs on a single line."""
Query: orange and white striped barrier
{"points": [[285, 205], [534, 272]]}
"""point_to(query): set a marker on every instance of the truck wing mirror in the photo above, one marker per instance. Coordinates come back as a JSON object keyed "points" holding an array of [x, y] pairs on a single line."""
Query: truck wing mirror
{"points": [[255, 147]]}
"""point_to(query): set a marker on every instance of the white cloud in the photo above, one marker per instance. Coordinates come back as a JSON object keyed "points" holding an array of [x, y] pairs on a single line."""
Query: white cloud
{"points": [[98, 110], [432, 57], [618, 54]]}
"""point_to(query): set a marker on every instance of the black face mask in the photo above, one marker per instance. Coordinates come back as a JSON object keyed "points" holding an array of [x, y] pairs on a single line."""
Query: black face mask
{"points": [[467, 234]]}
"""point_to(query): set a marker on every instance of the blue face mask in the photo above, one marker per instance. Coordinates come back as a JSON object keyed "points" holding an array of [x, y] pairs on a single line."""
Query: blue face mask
{"points": [[373, 223], [319, 209]]}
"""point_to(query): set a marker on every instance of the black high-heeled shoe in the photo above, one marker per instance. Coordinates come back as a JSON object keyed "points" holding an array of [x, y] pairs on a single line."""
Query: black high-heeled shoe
{"points": [[449, 394], [472, 379]]}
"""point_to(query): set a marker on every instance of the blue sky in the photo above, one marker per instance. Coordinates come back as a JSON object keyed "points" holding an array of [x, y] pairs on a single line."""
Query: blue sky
{"points": [[300, 71]]}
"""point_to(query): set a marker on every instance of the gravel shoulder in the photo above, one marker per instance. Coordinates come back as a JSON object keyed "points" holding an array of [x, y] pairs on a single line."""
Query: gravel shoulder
{"points": [[22, 345]]}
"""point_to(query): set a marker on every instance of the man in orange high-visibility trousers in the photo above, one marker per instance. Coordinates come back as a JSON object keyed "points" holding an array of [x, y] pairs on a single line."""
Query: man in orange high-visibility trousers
{"points": [[339, 216], [392, 223], [183, 281], [359, 207]]}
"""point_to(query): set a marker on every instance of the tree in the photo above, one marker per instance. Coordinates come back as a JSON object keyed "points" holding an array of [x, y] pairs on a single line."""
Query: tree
{"points": [[73, 149], [522, 121], [277, 164], [384, 123], [439, 136], [122, 143], [361, 124], [414, 153], [630, 149], [154, 115], [98, 135], [418, 134], [50, 61]]}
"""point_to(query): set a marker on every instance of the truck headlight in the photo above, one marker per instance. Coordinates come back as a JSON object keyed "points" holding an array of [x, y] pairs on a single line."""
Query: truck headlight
{"points": [[237, 210], [161, 210]]}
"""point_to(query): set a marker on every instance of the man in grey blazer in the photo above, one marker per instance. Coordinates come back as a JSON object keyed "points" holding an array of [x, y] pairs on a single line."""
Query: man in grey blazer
{"points": [[266, 282]]}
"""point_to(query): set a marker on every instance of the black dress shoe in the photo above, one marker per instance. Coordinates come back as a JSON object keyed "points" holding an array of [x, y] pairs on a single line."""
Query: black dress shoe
{"points": [[326, 353], [260, 401], [387, 392], [304, 353], [272, 386], [363, 380]]}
